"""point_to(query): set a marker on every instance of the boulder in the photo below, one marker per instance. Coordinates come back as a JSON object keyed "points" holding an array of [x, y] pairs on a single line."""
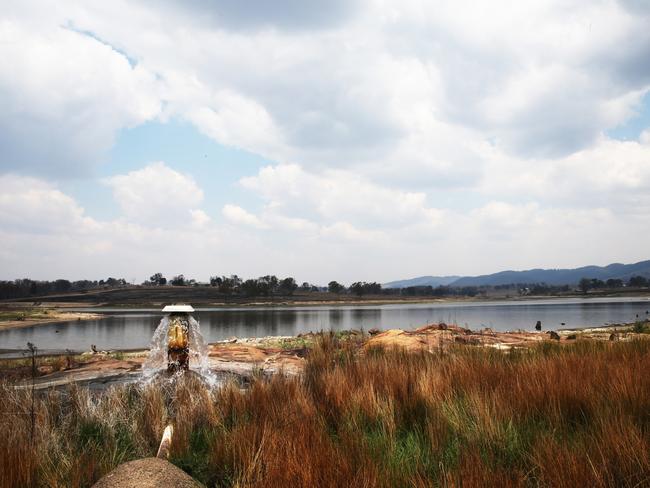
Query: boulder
{"points": [[147, 473]]}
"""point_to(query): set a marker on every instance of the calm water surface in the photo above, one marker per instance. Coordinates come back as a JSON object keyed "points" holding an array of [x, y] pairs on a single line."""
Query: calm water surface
{"points": [[132, 329]]}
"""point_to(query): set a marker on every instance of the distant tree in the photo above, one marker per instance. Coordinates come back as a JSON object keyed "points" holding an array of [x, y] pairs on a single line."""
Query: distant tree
{"points": [[584, 285], [357, 288], [62, 286], [216, 281], [231, 285], [178, 280], [614, 283], [158, 279], [288, 286], [226, 286], [251, 288], [373, 288], [305, 286], [596, 283], [638, 281], [335, 287], [469, 291]]}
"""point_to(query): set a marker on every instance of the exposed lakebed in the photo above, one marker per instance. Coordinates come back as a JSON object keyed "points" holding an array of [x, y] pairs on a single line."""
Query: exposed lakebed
{"points": [[132, 329]]}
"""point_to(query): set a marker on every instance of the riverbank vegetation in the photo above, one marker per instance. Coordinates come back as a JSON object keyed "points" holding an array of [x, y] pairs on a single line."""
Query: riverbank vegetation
{"points": [[554, 415]]}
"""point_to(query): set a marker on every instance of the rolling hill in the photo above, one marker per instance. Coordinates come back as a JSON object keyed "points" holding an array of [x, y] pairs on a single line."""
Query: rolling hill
{"points": [[548, 276]]}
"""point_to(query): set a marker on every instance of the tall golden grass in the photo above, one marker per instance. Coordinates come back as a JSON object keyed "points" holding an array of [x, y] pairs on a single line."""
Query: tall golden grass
{"points": [[552, 416]]}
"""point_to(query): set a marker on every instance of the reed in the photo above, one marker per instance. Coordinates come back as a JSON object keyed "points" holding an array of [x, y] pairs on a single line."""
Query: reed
{"points": [[576, 415]]}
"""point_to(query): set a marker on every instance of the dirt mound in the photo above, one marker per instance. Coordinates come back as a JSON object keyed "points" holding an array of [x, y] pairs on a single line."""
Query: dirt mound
{"points": [[435, 336], [147, 473], [241, 359], [399, 338]]}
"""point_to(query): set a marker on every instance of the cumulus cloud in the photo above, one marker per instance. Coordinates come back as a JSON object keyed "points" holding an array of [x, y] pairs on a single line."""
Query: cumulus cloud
{"points": [[405, 92], [157, 194], [440, 129], [238, 215], [338, 196], [64, 96], [34, 206]]}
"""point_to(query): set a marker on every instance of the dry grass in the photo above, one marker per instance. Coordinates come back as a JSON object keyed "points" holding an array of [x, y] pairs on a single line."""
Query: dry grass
{"points": [[555, 416]]}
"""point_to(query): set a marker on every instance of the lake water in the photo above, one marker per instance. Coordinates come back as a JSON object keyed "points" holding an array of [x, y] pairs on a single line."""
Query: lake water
{"points": [[132, 329]]}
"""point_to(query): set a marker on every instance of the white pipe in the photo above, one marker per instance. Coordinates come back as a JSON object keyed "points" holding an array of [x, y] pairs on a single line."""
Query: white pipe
{"points": [[166, 442]]}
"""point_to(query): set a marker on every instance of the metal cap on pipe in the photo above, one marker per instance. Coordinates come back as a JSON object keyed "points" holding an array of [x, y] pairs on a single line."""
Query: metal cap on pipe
{"points": [[178, 308]]}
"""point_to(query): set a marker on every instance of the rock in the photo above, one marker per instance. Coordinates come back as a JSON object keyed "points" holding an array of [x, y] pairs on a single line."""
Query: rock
{"points": [[572, 337], [442, 326], [614, 336], [47, 369], [538, 325], [554, 335], [147, 473], [373, 331]]}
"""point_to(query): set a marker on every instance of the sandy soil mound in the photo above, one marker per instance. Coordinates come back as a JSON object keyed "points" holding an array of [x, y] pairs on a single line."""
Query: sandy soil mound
{"points": [[241, 359], [147, 473], [436, 336]]}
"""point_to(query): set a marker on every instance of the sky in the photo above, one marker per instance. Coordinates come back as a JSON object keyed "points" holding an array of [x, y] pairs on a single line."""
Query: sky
{"points": [[325, 140]]}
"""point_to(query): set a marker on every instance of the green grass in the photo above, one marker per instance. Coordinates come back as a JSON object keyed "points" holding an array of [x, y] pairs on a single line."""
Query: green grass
{"points": [[12, 315]]}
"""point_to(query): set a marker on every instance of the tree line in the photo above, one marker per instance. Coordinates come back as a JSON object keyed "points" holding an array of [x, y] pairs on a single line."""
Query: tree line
{"points": [[271, 285], [267, 285], [587, 284], [25, 287]]}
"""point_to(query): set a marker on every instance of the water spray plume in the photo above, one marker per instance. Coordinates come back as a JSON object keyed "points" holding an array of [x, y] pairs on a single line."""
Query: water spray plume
{"points": [[177, 345]]}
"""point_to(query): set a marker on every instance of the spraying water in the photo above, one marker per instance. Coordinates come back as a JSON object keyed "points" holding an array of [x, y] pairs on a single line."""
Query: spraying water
{"points": [[157, 362]]}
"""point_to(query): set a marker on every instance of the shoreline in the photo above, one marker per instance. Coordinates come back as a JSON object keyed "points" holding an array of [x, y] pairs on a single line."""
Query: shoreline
{"points": [[275, 354], [38, 313], [54, 316]]}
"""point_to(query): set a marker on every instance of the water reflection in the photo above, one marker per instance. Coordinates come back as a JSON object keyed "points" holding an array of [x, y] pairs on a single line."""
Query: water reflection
{"points": [[134, 330]]}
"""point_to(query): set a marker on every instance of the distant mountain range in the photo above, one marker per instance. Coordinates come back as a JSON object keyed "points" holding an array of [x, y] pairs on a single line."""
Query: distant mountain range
{"points": [[548, 276]]}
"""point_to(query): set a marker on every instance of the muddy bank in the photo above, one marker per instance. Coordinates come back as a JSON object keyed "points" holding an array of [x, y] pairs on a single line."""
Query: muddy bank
{"points": [[243, 357], [235, 358], [28, 317]]}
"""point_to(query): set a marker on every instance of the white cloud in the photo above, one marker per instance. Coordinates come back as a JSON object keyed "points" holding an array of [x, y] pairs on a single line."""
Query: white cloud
{"points": [[64, 96], [402, 92], [42, 228], [404, 137], [238, 215], [338, 195], [614, 174], [34, 206], [157, 194]]}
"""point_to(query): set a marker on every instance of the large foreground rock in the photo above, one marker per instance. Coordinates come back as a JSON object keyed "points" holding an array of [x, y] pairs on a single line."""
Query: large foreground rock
{"points": [[147, 473]]}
